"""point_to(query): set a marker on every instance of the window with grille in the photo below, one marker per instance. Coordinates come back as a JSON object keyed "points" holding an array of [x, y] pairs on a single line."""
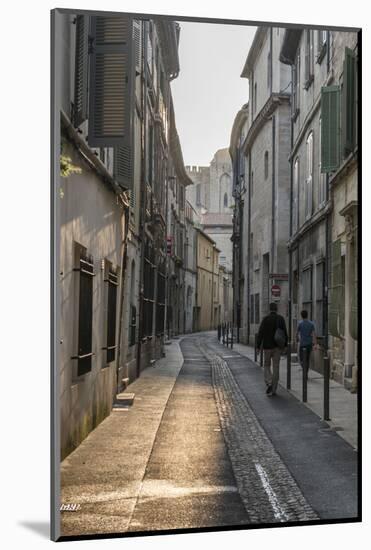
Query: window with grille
{"points": [[148, 289], [85, 314], [307, 291], [266, 164], [225, 200], [257, 309], [320, 280], [112, 280], [160, 303]]}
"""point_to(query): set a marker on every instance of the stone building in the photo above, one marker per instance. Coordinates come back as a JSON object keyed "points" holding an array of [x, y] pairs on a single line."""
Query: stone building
{"points": [[207, 297], [211, 197], [263, 193], [116, 143], [190, 267], [322, 245]]}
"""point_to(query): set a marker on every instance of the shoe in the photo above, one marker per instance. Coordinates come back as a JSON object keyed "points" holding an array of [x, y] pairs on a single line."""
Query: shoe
{"points": [[269, 389]]}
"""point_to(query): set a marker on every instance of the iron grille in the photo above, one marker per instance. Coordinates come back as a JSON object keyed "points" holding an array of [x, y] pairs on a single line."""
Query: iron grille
{"points": [[85, 342], [111, 315]]}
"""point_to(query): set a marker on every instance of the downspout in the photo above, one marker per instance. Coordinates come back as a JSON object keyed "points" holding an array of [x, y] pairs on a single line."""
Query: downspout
{"points": [[143, 195], [123, 274], [248, 252], [288, 381], [273, 227], [327, 243]]}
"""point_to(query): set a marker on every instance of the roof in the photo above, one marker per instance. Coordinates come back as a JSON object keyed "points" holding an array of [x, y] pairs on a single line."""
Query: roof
{"points": [[290, 45], [206, 236], [216, 218], [253, 51]]}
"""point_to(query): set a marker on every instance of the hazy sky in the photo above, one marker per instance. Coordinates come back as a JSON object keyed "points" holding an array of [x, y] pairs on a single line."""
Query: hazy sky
{"points": [[209, 90]]}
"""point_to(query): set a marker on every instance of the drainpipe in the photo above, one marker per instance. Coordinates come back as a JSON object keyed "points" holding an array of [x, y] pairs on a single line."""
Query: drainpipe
{"points": [[288, 378], [248, 251], [273, 228]]}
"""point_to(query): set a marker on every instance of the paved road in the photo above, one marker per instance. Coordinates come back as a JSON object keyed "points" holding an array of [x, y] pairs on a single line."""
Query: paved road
{"points": [[203, 446]]}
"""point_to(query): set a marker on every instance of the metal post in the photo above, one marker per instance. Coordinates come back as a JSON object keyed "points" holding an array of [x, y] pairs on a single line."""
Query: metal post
{"points": [[261, 355], [223, 333], [305, 374], [288, 369], [227, 335], [326, 388], [232, 337], [256, 349]]}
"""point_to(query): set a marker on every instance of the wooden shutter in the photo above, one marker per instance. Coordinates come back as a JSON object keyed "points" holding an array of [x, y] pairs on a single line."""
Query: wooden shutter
{"points": [[330, 128], [137, 39], [336, 289], [111, 82], [348, 102], [123, 166], [81, 70]]}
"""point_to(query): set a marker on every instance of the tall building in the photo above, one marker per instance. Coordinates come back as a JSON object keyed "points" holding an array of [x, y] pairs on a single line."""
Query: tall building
{"points": [[211, 197]]}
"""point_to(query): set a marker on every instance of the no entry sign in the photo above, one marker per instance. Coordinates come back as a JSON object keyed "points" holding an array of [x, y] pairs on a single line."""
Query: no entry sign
{"points": [[276, 291]]}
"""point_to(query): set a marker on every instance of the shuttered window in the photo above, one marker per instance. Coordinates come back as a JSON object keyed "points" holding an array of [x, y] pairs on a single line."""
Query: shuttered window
{"points": [[112, 281], [330, 128], [85, 323], [348, 110], [321, 176], [295, 197], [309, 177], [337, 298], [111, 82], [307, 291], [81, 70], [309, 58]]}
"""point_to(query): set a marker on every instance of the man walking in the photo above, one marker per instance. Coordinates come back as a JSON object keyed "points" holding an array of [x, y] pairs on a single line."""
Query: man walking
{"points": [[306, 336], [272, 336]]}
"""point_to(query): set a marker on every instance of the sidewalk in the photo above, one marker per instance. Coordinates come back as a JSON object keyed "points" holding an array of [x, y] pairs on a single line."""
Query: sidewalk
{"points": [[105, 473], [343, 404]]}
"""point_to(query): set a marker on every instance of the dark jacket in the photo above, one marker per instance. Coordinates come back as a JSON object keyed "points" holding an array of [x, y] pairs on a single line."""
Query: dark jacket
{"points": [[267, 329]]}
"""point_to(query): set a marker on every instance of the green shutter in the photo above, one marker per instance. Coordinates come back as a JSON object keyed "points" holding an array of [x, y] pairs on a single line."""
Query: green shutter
{"points": [[353, 316], [81, 70], [330, 127], [348, 103], [111, 82], [336, 306]]}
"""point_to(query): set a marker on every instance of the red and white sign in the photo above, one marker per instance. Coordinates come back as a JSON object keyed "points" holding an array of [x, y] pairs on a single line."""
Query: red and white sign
{"points": [[276, 291]]}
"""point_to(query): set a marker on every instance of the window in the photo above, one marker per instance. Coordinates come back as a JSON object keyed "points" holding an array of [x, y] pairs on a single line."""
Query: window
{"points": [[309, 178], [330, 126], [348, 110], [133, 309], [255, 99], [257, 309], [321, 44], [112, 280], [85, 312], [266, 165], [225, 200], [309, 58], [160, 305], [295, 197], [81, 70], [307, 291], [269, 83], [148, 289], [296, 85], [198, 194], [320, 279], [321, 176]]}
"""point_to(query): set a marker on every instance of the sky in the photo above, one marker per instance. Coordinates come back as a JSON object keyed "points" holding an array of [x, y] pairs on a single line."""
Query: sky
{"points": [[209, 91]]}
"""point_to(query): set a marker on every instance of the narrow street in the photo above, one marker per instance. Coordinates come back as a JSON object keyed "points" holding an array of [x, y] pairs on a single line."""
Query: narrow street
{"points": [[213, 450]]}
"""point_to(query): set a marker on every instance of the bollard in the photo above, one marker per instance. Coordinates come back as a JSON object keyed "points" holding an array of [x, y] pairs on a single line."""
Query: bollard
{"points": [[288, 369], [305, 374], [256, 349], [223, 334], [232, 337], [227, 335], [326, 388], [261, 355]]}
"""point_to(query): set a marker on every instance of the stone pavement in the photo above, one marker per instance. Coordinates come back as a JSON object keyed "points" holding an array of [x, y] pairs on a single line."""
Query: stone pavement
{"points": [[200, 447], [343, 404]]}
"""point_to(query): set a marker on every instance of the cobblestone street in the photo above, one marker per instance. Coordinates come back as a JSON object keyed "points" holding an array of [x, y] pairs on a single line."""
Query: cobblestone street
{"points": [[213, 451]]}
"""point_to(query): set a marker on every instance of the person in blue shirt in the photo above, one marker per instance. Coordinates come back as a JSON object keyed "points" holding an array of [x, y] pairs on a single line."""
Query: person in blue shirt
{"points": [[306, 336]]}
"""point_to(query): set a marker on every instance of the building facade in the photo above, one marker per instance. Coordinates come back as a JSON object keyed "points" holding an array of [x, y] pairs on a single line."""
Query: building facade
{"points": [[262, 184], [207, 298], [323, 257], [118, 145], [211, 197]]}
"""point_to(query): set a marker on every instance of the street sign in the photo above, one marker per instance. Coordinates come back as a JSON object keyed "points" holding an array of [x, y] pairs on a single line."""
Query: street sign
{"points": [[276, 291]]}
